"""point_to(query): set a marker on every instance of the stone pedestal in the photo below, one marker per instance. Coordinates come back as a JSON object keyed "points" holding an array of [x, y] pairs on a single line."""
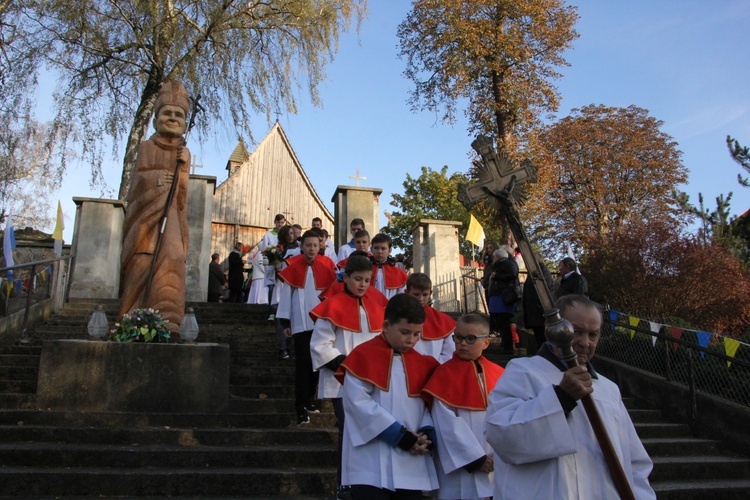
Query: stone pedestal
{"points": [[84, 375], [436, 254], [353, 202], [97, 246], [200, 206]]}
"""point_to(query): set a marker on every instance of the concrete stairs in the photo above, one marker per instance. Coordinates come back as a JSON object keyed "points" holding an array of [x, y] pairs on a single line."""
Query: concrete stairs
{"points": [[254, 449]]}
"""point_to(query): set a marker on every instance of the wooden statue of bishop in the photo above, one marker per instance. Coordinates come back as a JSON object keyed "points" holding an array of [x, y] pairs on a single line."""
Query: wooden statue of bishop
{"points": [[156, 164]]}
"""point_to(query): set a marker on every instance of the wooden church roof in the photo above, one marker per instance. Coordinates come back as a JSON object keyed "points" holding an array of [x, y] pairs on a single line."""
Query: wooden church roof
{"points": [[271, 180]]}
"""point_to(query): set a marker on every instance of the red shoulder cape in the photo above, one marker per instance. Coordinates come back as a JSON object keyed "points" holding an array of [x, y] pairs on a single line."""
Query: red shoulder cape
{"points": [[339, 310], [295, 272], [456, 383], [393, 276], [372, 362], [437, 325]]}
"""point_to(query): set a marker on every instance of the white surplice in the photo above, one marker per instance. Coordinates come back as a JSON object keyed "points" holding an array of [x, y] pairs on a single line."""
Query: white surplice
{"points": [[295, 304], [327, 343], [369, 411], [379, 284], [539, 453], [442, 349], [461, 441]]}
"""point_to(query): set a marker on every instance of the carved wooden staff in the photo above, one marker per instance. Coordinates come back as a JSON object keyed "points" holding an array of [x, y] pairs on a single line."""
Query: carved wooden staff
{"points": [[170, 197], [500, 183]]}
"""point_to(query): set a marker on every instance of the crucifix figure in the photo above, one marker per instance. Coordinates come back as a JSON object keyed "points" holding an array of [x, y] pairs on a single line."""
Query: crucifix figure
{"points": [[357, 178]]}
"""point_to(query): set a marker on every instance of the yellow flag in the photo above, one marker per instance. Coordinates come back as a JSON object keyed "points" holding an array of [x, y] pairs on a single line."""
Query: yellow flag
{"points": [[57, 234], [730, 346], [633, 322], [475, 233]]}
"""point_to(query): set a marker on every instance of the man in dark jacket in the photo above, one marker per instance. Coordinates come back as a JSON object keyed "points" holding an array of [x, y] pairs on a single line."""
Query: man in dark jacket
{"points": [[533, 312], [215, 279], [571, 283], [236, 274]]}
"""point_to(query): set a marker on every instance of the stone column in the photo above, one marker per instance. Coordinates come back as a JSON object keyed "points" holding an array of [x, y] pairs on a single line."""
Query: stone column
{"points": [[352, 202], [200, 206], [97, 246], [436, 254]]}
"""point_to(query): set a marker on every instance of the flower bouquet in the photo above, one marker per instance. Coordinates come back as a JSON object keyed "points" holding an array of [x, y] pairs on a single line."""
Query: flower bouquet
{"points": [[141, 325], [273, 256]]}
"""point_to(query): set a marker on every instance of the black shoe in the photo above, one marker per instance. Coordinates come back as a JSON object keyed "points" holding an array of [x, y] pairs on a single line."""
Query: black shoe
{"points": [[311, 408], [344, 493], [303, 419], [283, 354]]}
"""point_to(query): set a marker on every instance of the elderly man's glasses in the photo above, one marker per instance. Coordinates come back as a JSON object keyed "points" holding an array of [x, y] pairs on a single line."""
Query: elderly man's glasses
{"points": [[469, 339]]}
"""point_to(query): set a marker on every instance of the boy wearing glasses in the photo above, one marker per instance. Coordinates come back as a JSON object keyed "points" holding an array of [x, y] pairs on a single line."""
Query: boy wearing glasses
{"points": [[458, 390], [435, 340]]}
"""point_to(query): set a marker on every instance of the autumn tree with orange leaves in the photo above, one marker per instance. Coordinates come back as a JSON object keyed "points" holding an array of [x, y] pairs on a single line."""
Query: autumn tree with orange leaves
{"points": [[601, 168], [501, 56]]}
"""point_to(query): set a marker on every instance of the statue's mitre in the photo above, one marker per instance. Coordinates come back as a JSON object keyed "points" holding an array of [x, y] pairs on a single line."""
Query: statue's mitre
{"points": [[172, 93]]}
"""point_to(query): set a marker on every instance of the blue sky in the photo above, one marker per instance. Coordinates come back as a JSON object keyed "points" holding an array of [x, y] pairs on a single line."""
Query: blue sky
{"points": [[686, 61]]}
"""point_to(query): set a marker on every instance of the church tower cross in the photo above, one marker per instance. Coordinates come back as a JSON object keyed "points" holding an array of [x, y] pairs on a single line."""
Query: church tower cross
{"points": [[357, 177]]}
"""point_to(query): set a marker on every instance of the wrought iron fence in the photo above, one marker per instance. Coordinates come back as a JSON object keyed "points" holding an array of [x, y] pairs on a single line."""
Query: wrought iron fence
{"points": [[24, 285], [719, 366], [445, 295]]}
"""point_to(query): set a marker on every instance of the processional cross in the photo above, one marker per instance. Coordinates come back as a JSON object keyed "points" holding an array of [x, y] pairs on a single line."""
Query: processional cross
{"points": [[502, 185]]}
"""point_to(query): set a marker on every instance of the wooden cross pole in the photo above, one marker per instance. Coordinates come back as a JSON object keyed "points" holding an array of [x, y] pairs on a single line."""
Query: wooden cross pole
{"points": [[501, 185]]}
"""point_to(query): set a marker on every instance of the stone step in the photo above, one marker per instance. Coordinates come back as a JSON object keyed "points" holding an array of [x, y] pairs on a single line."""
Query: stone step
{"points": [[13, 400], [303, 435], [661, 429], [720, 489], [699, 467], [80, 456], [681, 446], [161, 482], [22, 360], [18, 386], [18, 372], [642, 415], [144, 420], [23, 350]]}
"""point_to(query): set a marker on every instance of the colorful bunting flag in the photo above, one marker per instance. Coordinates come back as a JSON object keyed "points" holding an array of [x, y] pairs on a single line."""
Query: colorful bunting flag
{"points": [[475, 233], [57, 234], [633, 321], [675, 332], [613, 315], [703, 339], [655, 327], [730, 347], [9, 243]]}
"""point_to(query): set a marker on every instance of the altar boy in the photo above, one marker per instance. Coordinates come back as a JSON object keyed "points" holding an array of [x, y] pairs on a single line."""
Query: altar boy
{"points": [[386, 276], [458, 390], [386, 432], [306, 276], [436, 338], [342, 322]]}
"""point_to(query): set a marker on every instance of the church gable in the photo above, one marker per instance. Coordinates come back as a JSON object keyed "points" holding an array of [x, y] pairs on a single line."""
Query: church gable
{"points": [[270, 181]]}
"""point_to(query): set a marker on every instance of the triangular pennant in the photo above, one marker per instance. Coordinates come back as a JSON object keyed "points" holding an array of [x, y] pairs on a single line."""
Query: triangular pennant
{"points": [[613, 315], [654, 327], [675, 332], [633, 321], [730, 347], [703, 339]]}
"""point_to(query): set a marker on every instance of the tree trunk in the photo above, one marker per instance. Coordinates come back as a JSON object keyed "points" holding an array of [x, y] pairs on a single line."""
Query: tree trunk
{"points": [[139, 128]]}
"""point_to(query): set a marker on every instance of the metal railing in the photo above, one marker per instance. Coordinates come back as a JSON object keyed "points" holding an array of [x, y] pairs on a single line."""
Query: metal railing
{"points": [[23, 285], [684, 360]]}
